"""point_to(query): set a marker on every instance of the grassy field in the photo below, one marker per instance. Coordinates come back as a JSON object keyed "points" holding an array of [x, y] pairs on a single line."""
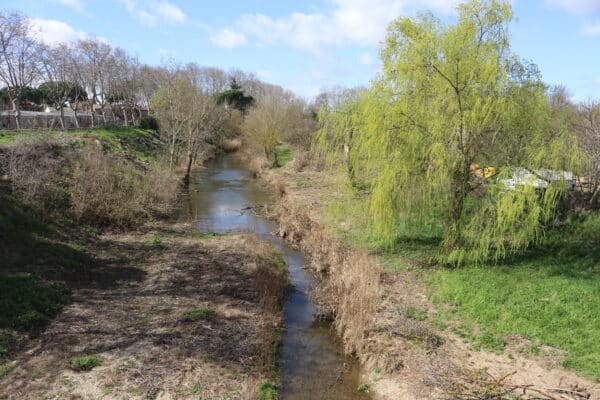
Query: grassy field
{"points": [[549, 295], [144, 144]]}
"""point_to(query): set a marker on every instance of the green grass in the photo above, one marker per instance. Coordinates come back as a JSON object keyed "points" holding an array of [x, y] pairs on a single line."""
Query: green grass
{"points": [[208, 235], [550, 295], [142, 143], [278, 260], [7, 137], [267, 391], [27, 302], [85, 363], [283, 154], [363, 387], [197, 314]]}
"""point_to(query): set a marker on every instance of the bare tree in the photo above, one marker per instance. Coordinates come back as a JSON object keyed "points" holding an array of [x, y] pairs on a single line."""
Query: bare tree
{"points": [[588, 128], [19, 57], [97, 63]]}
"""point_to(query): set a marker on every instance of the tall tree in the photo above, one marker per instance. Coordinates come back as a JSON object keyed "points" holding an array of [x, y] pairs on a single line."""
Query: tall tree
{"points": [[61, 87], [19, 57], [450, 99]]}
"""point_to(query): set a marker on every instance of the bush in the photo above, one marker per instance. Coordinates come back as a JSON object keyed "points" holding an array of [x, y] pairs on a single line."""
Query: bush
{"points": [[109, 190], [149, 122], [36, 166]]}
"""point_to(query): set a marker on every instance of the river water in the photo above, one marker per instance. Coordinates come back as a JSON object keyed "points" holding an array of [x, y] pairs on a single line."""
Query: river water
{"points": [[312, 366]]}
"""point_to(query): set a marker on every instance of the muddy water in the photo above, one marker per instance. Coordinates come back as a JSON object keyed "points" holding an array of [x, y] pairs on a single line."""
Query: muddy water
{"points": [[312, 364]]}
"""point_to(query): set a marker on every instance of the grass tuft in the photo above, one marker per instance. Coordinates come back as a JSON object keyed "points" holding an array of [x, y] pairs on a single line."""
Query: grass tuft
{"points": [[283, 155], [85, 363], [197, 314], [267, 391]]}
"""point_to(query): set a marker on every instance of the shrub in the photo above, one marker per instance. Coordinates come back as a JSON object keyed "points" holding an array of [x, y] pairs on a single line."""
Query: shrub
{"points": [[36, 166], [85, 363], [110, 190], [149, 122]]}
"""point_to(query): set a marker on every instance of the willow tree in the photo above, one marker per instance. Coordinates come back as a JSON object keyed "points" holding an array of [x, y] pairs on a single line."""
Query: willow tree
{"points": [[451, 98]]}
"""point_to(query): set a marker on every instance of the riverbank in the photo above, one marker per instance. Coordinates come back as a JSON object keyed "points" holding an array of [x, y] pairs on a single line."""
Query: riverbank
{"points": [[115, 311], [411, 344], [168, 313]]}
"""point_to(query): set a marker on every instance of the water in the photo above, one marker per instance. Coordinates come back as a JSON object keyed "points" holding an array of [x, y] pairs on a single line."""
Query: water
{"points": [[312, 365]]}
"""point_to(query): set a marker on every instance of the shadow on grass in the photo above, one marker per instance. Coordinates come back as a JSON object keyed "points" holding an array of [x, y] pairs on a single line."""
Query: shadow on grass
{"points": [[42, 264]]}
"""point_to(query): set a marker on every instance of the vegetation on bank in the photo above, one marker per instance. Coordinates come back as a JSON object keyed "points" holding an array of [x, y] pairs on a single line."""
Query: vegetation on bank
{"points": [[426, 155], [57, 190]]}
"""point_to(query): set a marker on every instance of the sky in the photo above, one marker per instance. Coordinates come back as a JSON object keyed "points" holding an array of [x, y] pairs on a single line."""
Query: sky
{"points": [[311, 45]]}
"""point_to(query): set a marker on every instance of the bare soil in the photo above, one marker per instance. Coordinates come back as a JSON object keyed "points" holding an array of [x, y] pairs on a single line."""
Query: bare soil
{"points": [[129, 309], [405, 357]]}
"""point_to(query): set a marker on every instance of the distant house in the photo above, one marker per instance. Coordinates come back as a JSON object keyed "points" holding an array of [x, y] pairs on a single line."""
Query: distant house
{"points": [[539, 179]]}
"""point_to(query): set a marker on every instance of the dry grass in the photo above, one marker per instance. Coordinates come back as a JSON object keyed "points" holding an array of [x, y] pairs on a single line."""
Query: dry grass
{"points": [[137, 324], [231, 145], [36, 168], [350, 290], [55, 173], [300, 161], [386, 317], [108, 190]]}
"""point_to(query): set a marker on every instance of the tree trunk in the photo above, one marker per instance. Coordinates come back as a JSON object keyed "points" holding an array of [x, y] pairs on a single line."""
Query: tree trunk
{"points": [[75, 117], [62, 118], [172, 151], [15, 104], [188, 171], [460, 183]]}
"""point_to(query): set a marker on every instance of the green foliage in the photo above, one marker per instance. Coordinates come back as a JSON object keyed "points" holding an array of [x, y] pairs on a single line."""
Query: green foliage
{"points": [[450, 99], [279, 261], [85, 363], [149, 122], [267, 391], [363, 387], [283, 155], [549, 294], [61, 93], [197, 313], [26, 302], [24, 95], [235, 98]]}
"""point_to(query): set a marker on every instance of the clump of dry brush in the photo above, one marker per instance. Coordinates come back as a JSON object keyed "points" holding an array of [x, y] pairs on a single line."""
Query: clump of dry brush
{"points": [[55, 174]]}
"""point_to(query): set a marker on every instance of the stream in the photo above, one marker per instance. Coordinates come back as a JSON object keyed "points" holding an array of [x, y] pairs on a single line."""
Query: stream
{"points": [[312, 364]]}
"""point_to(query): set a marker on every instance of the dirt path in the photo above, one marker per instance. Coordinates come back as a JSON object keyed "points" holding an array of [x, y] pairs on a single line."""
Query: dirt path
{"points": [[183, 317]]}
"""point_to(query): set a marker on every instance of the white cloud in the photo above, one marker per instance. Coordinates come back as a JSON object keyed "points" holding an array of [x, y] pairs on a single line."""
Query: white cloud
{"points": [[576, 6], [74, 4], [51, 31], [228, 39], [361, 22], [153, 12], [592, 29], [169, 12], [366, 59]]}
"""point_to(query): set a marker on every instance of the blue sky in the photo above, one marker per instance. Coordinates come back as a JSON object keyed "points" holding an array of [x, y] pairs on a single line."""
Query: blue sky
{"points": [[314, 44]]}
